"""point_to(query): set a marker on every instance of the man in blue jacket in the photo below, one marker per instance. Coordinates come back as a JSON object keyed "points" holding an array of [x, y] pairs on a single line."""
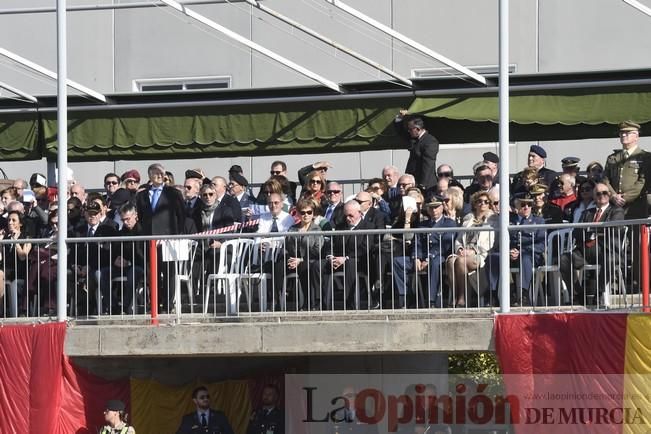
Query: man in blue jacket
{"points": [[526, 249], [429, 251]]}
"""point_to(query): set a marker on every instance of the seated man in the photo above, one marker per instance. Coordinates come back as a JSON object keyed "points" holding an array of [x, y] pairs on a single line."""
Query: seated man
{"points": [[347, 254], [128, 259], [594, 245], [429, 253], [526, 250]]}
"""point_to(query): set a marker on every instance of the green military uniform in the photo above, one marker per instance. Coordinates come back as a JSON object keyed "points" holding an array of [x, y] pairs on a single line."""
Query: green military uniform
{"points": [[120, 429], [626, 175]]}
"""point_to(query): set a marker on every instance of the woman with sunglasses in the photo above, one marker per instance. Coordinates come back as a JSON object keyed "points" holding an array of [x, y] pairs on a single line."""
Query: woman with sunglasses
{"points": [[572, 212], [302, 253], [471, 250], [315, 187]]}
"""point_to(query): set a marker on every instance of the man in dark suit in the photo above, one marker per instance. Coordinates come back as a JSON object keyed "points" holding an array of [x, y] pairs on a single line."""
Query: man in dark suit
{"points": [[594, 245], [334, 212], [161, 212], [347, 254], [88, 258], [237, 187], [204, 420], [226, 211], [371, 216], [422, 152], [191, 188], [526, 250], [160, 207], [429, 253]]}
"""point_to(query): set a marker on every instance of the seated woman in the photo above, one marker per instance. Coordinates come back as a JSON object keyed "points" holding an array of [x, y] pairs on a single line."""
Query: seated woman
{"points": [[376, 188], [15, 259], [301, 253], [471, 249]]}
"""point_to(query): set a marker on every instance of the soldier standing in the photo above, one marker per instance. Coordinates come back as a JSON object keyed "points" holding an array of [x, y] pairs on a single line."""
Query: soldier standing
{"points": [[625, 173], [269, 419]]}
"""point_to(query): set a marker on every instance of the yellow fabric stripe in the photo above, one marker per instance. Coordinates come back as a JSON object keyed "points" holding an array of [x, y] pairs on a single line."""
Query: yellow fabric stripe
{"points": [[157, 408], [637, 370]]}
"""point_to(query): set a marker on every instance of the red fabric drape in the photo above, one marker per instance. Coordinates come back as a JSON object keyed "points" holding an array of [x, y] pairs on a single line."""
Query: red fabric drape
{"points": [[562, 353], [30, 373], [41, 392]]}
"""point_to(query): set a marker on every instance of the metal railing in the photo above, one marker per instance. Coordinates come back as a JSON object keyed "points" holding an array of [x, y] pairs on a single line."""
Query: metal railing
{"points": [[568, 266]]}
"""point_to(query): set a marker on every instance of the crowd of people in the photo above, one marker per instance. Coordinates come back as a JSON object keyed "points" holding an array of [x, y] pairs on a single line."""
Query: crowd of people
{"points": [[457, 267]]}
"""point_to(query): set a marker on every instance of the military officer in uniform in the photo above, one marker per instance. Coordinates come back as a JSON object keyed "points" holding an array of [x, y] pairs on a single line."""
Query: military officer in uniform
{"points": [[551, 213], [204, 420], [625, 173], [535, 160], [269, 419]]}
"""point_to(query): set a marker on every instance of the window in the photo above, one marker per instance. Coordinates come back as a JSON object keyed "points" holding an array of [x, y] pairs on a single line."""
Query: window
{"points": [[446, 72], [181, 84]]}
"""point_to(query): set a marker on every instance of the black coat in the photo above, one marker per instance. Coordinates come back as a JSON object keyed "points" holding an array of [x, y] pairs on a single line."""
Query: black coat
{"points": [[217, 424], [374, 219], [422, 160], [169, 216], [608, 239], [263, 422], [226, 214]]}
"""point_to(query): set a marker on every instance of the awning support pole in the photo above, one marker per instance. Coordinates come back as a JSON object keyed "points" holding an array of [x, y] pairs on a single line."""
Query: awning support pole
{"points": [[505, 274]]}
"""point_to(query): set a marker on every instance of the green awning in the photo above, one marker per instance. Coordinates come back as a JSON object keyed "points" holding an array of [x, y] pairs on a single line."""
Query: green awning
{"points": [[572, 114], [262, 129], [19, 137]]}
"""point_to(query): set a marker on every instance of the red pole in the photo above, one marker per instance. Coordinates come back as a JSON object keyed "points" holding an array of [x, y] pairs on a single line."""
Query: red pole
{"points": [[644, 261], [153, 279]]}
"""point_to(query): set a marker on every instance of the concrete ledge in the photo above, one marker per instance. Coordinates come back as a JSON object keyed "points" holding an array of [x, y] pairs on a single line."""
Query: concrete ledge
{"points": [[286, 337]]}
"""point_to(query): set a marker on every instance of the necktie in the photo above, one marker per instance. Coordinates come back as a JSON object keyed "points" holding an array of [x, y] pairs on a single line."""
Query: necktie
{"points": [[154, 197], [597, 215], [330, 210], [91, 231], [204, 421], [274, 225], [626, 155], [188, 204]]}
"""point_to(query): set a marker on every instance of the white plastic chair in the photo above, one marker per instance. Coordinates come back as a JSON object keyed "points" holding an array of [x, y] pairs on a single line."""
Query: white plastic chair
{"points": [[561, 238], [184, 274], [615, 263], [258, 258], [233, 256]]}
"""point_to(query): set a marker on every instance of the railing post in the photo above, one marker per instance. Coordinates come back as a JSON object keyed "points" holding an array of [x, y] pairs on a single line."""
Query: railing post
{"points": [[644, 271], [153, 281]]}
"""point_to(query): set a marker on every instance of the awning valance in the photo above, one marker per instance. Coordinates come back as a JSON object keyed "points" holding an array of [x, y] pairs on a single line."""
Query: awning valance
{"points": [[19, 137], [582, 113], [228, 131]]}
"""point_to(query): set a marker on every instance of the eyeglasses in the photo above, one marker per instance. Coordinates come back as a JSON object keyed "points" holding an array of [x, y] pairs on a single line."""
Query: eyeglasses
{"points": [[444, 175], [482, 202], [602, 193], [322, 169], [525, 204], [207, 194], [315, 181], [275, 202], [306, 212], [627, 133], [333, 191], [111, 183], [359, 201], [130, 181], [405, 184], [188, 187], [497, 202], [275, 172], [350, 216]]}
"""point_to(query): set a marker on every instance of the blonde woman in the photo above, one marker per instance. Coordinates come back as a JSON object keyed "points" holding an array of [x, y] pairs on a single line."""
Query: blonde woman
{"points": [[471, 249]]}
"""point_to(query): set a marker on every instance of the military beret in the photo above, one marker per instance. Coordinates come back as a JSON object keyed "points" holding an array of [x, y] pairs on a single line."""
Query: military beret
{"points": [[537, 189], [570, 161], [235, 169], [115, 405], [194, 173], [130, 174], [239, 179], [538, 150], [491, 156], [629, 126]]}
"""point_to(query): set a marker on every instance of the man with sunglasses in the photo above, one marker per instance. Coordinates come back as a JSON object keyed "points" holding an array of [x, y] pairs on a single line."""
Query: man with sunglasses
{"points": [[204, 419], [111, 184], [526, 248], [279, 168], [594, 245], [334, 212]]}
